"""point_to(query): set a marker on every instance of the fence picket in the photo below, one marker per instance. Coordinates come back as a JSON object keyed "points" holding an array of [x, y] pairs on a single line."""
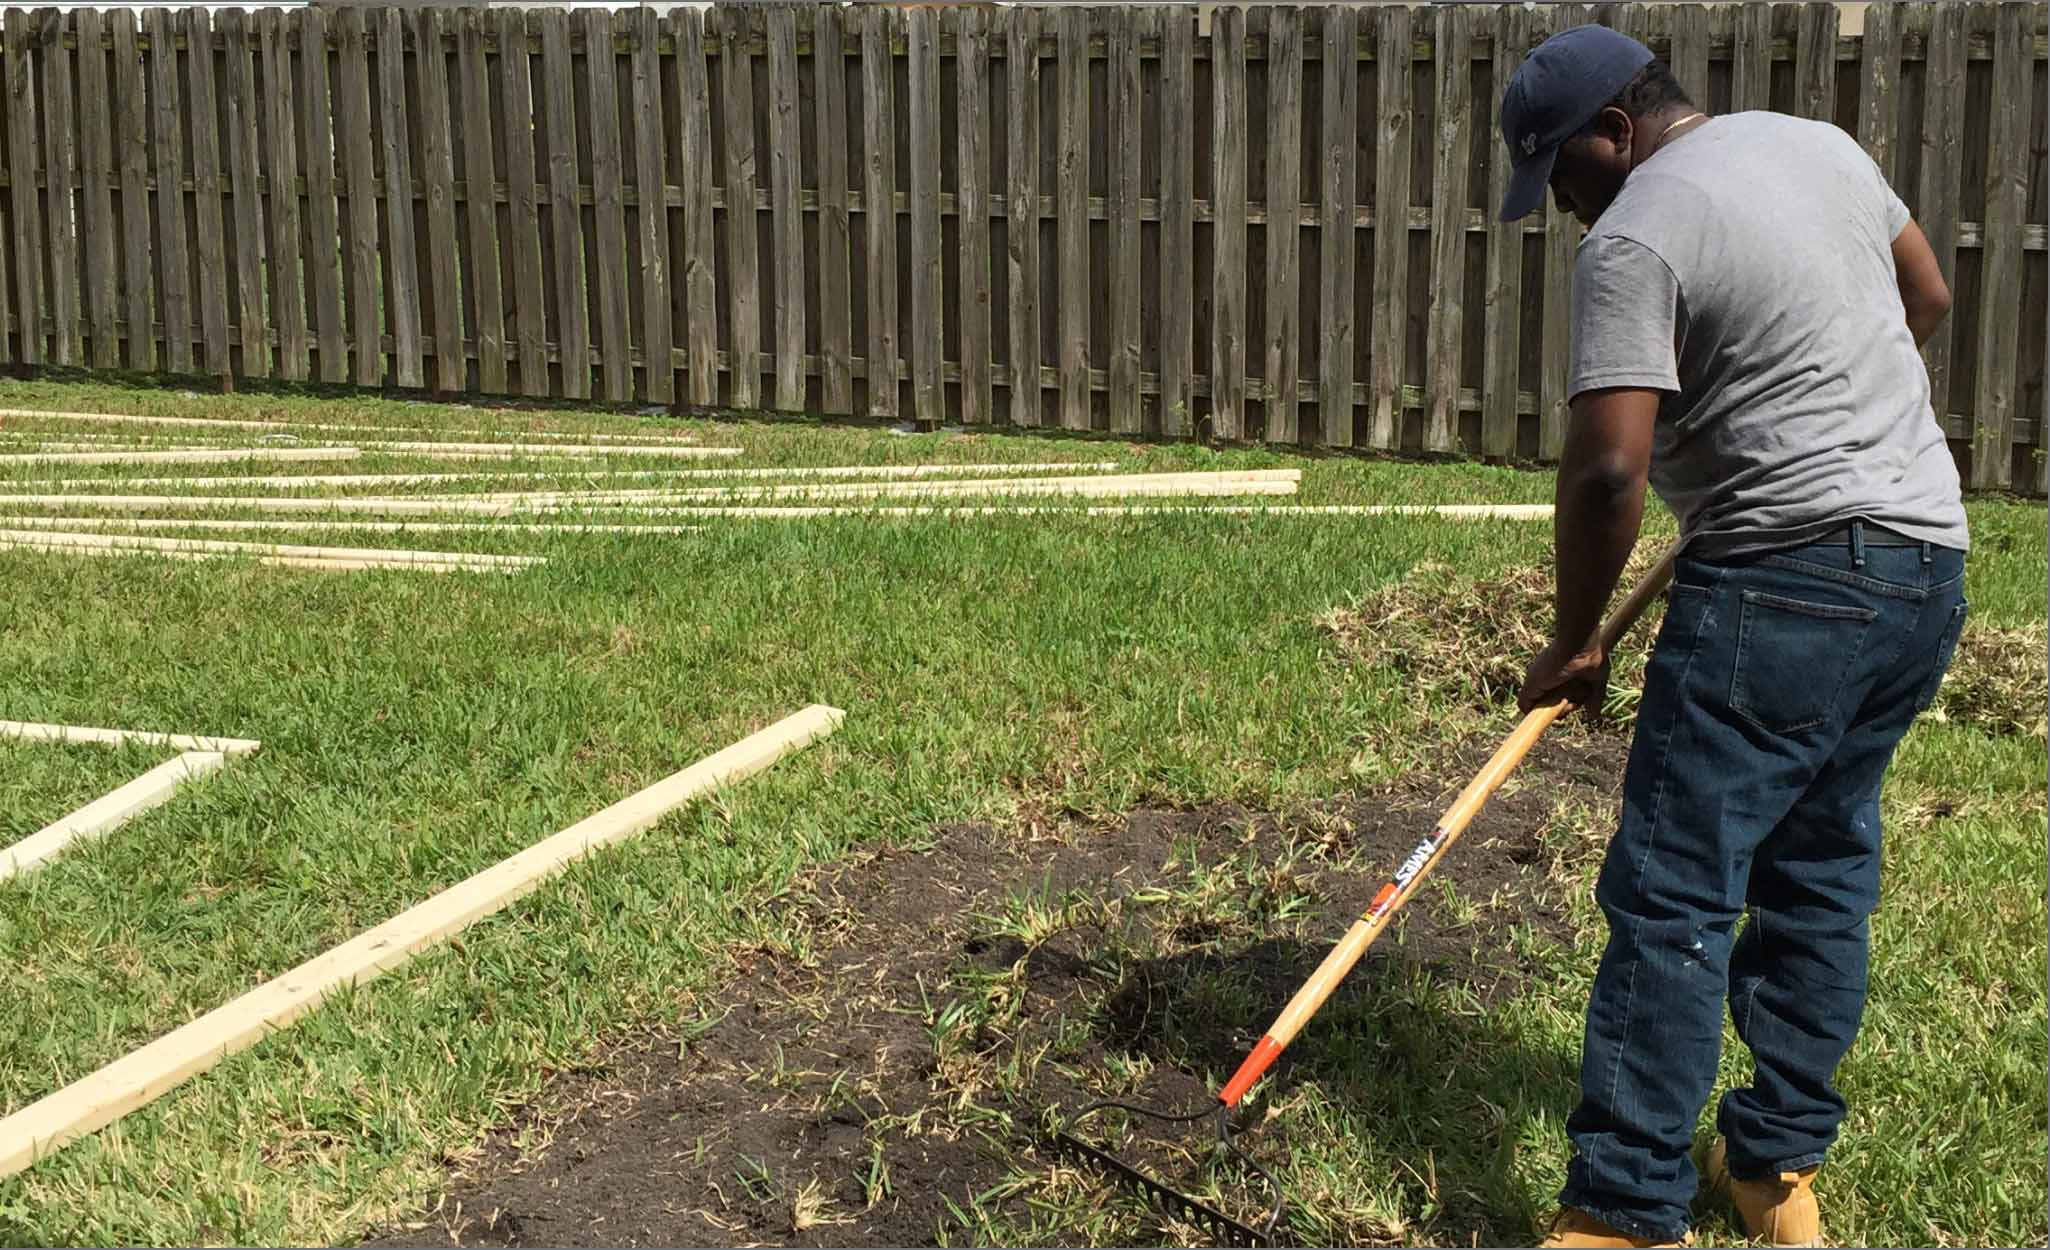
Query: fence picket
{"points": [[1936, 203], [1283, 229], [1177, 222], [836, 237], [2007, 190], [879, 207], [1336, 241], [1228, 222], [167, 153], [651, 219], [1071, 213], [608, 236], [97, 172], [524, 192], [1503, 310], [1448, 233], [787, 219], [1021, 238], [1562, 235], [444, 313], [922, 60], [971, 195], [1121, 44], [1392, 148], [323, 224], [481, 262], [60, 162], [288, 295], [565, 205], [131, 136]]}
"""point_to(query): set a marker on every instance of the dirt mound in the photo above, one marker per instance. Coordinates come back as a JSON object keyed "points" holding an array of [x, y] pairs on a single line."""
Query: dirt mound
{"points": [[888, 1083]]}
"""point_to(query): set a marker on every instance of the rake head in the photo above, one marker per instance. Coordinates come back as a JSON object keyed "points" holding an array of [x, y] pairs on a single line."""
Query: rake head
{"points": [[1222, 1228]]}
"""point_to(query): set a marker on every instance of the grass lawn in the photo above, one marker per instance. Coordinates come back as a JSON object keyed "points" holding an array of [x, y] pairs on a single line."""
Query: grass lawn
{"points": [[1039, 677]]}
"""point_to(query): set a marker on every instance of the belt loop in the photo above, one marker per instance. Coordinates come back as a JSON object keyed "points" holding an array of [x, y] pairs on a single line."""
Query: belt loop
{"points": [[1857, 543], [1926, 557]]}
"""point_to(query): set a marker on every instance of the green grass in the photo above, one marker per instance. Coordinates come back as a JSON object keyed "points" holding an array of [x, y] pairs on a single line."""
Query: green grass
{"points": [[417, 728]]}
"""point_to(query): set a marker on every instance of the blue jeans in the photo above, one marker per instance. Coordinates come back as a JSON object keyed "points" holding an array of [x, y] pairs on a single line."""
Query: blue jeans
{"points": [[1776, 693]]}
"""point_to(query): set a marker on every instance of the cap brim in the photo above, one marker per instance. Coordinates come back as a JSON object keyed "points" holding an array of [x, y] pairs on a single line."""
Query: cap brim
{"points": [[1528, 183]]}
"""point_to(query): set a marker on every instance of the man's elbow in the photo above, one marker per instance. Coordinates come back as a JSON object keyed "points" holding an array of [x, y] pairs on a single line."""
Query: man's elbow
{"points": [[1926, 307], [1610, 480]]}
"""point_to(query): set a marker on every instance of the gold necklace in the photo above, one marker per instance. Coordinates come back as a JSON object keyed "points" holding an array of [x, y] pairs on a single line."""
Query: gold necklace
{"points": [[1667, 133]]}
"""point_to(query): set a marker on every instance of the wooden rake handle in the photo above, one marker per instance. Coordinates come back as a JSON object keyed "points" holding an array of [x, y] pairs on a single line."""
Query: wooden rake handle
{"points": [[1427, 853]]}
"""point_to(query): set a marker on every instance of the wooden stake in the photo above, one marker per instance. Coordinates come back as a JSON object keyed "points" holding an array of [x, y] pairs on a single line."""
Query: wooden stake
{"points": [[85, 1105], [103, 815]]}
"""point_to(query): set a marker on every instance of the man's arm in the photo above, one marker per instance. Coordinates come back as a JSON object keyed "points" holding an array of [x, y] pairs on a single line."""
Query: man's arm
{"points": [[1924, 295], [1598, 507]]}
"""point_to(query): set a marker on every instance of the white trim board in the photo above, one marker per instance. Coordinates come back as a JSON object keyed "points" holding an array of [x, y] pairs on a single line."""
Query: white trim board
{"points": [[486, 451], [183, 455], [229, 423], [372, 527], [315, 563], [109, 812], [212, 546], [92, 1102], [37, 731], [887, 471]]}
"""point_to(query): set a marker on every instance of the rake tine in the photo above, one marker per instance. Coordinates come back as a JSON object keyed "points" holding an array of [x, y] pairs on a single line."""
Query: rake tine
{"points": [[1171, 1202]]}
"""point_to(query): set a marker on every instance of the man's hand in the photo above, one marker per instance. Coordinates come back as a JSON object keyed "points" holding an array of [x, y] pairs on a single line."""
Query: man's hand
{"points": [[1580, 674]]}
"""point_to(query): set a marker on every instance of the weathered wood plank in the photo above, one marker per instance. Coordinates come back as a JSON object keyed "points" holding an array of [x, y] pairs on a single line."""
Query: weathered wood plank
{"points": [[1936, 201], [836, 238], [972, 173], [523, 220], [288, 291], [879, 186], [1879, 81], [1392, 154], [565, 208], [481, 264], [608, 259], [209, 245], [1446, 326], [1228, 228], [97, 173], [1177, 221], [431, 28], [1562, 237], [787, 222], [167, 155], [60, 158], [1751, 59], [2000, 297], [651, 178], [1072, 213], [1021, 239], [1121, 40], [24, 158], [1336, 242], [744, 305], [1504, 309], [357, 153], [1815, 61], [323, 222], [1689, 55], [244, 164], [922, 64], [402, 256], [1283, 232], [131, 137], [698, 290]]}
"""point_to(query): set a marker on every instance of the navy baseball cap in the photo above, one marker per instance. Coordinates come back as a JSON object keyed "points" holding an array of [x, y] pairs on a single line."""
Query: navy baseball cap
{"points": [[1559, 88]]}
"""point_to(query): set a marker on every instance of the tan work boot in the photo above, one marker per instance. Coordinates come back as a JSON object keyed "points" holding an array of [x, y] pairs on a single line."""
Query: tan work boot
{"points": [[1779, 1210], [1575, 1227]]}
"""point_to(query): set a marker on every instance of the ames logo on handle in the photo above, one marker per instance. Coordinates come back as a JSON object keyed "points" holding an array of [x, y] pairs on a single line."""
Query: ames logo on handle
{"points": [[1417, 859]]}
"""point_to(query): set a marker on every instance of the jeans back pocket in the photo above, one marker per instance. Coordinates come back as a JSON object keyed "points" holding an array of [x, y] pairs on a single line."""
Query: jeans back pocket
{"points": [[1792, 659]]}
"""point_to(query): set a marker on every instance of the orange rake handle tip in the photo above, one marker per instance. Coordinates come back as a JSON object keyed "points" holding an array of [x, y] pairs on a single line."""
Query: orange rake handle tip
{"points": [[1250, 1071]]}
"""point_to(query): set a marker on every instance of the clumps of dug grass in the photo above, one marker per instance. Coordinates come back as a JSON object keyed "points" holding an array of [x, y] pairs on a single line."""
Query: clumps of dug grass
{"points": [[1998, 681]]}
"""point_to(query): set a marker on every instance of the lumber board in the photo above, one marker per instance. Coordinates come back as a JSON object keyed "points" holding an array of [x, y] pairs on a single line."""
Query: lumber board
{"points": [[697, 293], [1228, 223], [210, 244], [878, 205], [417, 479], [1021, 231], [60, 168], [443, 316], [529, 311], [61, 538], [786, 217], [143, 1075], [608, 260], [183, 455], [565, 211], [922, 61], [131, 137], [1071, 225], [1126, 135], [1177, 221], [24, 158], [281, 167], [1452, 144], [323, 211], [836, 239], [97, 173], [2008, 171], [950, 486], [375, 527], [1502, 312], [651, 216], [743, 258], [971, 27], [1337, 198], [36, 731], [357, 151], [290, 562], [1283, 227], [239, 423], [1520, 512], [108, 812], [1395, 115], [482, 272], [546, 449]]}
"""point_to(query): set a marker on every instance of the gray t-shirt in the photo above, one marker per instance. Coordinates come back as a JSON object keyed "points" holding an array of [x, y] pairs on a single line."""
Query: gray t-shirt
{"points": [[1747, 271]]}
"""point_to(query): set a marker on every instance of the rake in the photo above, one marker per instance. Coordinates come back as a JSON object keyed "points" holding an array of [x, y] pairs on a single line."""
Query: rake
{"points": [[1223, 1228]]}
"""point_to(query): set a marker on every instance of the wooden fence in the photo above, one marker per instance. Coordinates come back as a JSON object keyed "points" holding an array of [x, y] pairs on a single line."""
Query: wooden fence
{"points": [[1271, 223]]}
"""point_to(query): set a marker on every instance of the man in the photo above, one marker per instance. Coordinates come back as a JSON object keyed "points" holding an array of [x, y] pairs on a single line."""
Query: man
{"points": [[1747, 307]]}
